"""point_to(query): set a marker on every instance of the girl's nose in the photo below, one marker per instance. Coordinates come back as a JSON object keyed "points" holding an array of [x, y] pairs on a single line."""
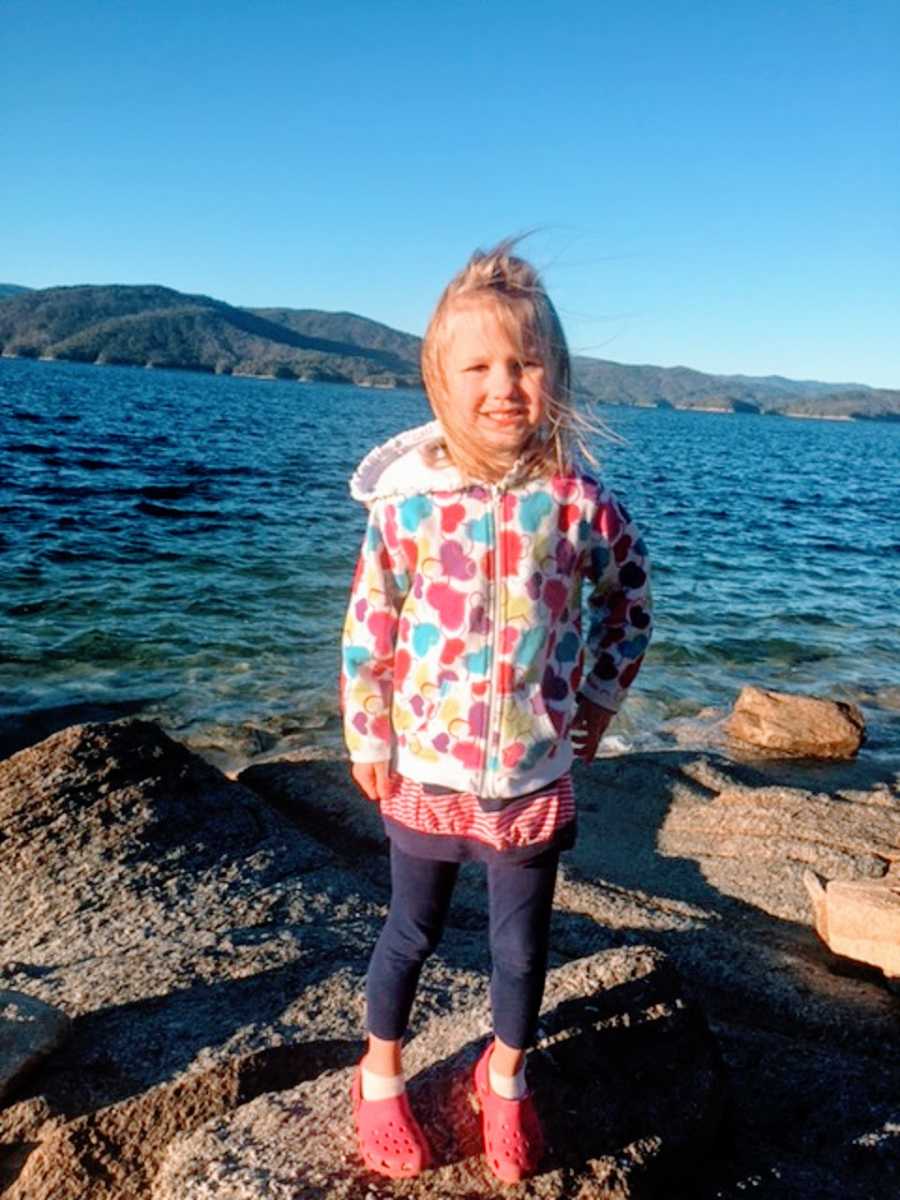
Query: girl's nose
{"points": [[505, 379]]}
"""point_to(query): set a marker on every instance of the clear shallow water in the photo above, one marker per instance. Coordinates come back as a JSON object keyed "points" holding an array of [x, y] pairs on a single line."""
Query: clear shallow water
{"points": [[185, 543]]}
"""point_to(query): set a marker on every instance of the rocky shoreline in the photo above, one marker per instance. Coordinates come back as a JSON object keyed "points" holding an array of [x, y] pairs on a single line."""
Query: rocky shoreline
{"points": [[206, 941]]}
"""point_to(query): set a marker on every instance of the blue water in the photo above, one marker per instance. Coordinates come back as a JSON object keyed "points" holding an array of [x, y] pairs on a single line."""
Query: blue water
{"points": [[182, 545]]}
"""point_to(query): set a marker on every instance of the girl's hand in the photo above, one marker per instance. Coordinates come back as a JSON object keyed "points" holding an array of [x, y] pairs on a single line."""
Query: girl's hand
{"points": [[373, 779], [588, 728]]}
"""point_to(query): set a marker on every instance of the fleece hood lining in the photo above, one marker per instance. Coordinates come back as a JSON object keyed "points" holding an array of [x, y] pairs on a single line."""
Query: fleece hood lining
{"points": [[399, 468]]}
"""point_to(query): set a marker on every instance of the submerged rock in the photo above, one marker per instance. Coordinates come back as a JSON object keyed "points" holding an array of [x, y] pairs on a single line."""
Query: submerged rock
{"points": [[804, 726]]}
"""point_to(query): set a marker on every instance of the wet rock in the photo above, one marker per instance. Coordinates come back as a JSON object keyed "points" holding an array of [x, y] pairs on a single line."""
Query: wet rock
{"points": [[29, 1030], [626, 1076], [787, 724]]}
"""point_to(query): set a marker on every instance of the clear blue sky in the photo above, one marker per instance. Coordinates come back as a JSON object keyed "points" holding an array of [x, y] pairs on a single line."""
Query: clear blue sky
{"points": [[715, 184]]}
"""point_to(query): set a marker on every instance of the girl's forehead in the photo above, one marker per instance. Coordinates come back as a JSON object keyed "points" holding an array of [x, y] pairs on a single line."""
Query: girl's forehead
{"points": [[481, 324]]}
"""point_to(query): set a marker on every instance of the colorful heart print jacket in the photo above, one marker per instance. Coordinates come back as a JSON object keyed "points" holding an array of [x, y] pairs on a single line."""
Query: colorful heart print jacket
{"points": [[463, 647]]}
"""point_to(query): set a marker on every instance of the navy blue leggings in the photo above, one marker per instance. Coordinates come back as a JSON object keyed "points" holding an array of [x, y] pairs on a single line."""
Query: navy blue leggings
{"points": [[520, 899]]}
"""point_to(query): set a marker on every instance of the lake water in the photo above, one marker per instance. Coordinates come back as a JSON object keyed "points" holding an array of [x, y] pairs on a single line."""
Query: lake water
{"points": [[181, 546]]}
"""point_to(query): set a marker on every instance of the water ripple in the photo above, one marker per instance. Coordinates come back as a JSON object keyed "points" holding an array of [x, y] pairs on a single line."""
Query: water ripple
{"points": [[190, 539]]}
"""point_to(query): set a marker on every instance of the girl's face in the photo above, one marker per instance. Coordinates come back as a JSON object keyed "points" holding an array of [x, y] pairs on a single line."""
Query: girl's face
{"points": [[494, 389]]}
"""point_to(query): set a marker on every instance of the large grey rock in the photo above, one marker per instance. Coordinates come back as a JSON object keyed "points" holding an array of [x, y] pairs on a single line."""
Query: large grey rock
{"points": [[626, 1075], [29, 1030], [186, 927], [210, 942], [807, 726]]}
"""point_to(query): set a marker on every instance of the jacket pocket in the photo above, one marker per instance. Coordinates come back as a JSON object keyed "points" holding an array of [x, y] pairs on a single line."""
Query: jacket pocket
{"points": [[528, 730]]}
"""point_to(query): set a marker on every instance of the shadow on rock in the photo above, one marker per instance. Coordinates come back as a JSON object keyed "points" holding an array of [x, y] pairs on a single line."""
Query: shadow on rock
{"points": [[626, 1076]]}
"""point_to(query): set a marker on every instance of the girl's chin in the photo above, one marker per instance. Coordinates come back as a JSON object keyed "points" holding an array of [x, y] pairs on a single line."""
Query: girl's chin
{"points": [[508, 432]]}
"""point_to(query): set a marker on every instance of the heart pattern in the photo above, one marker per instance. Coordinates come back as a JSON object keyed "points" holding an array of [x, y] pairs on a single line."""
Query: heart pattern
{"points": [[452, 649], [424, 637], [533, 509], [425, 670], [456, 563], [450, 604], [382, 625], [482, 529], [451, 517], [414, 511], [508, 638]]}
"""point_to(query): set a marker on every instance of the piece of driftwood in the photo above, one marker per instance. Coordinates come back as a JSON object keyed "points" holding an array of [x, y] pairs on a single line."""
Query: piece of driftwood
{"points": [[859, 918]]}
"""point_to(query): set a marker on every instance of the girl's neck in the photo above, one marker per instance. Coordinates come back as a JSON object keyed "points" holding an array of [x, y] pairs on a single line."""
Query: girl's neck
{"points": [[492, 466]]}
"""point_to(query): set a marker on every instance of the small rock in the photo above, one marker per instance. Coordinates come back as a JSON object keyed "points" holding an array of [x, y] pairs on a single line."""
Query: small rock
{"points": [[859, 918], [801, 726]]}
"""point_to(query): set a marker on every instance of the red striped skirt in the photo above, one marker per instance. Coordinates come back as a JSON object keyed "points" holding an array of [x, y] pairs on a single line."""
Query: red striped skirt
{"points": [[518, 823]]}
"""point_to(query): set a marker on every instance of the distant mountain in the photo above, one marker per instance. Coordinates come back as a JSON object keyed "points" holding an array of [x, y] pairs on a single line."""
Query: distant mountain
{"points": [[156, 326], [11, 289], [159, 327], [346, 327], [681, 387]]}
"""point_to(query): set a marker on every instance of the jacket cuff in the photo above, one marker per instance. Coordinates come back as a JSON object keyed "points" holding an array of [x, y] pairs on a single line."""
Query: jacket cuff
{"points": [[371, 754], [607, 694]]}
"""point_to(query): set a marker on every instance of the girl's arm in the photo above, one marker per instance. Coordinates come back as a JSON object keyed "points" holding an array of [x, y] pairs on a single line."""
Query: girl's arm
{"points": [[619, 607], [367, 668]]}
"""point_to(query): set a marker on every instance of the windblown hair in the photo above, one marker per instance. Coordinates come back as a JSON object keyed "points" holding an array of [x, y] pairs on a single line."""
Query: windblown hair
{"points": [[513, 290]]}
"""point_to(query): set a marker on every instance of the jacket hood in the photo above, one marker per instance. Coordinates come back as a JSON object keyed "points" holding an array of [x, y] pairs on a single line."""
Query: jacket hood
{"points": [[400, 467]]}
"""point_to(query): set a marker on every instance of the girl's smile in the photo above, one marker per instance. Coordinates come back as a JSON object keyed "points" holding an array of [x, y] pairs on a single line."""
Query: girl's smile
{"points": [[494, 390]]}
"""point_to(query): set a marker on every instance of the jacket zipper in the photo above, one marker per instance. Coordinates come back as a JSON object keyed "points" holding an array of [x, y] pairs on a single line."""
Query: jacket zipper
{"points": [[494, 699]]}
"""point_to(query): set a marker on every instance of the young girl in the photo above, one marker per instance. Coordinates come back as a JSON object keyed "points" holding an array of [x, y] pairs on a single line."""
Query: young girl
{"points": [[464, 688]]}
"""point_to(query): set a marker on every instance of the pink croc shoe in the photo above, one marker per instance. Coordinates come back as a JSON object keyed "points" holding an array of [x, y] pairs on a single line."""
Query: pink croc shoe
{"points": [[513, 1141], [391, 1140]]}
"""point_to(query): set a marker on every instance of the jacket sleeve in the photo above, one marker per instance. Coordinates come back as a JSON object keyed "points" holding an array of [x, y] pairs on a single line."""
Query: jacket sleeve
{"points": [[619, 604], [370, 633]]}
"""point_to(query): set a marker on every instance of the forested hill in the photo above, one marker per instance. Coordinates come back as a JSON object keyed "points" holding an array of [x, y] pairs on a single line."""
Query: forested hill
{"points": [[160, 327], [11, 289]]}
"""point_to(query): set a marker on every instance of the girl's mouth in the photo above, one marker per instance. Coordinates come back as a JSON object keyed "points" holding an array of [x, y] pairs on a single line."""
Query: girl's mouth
{"points": [[505, 417]]}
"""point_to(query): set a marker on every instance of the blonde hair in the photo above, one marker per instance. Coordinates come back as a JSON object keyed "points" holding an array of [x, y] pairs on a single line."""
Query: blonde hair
{"points": [[512, 288]]}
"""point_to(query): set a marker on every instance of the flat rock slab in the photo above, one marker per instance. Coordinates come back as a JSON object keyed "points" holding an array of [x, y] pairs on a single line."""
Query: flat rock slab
{"points": [[806, 726], [626, 1075], [782, 825], [29, 1030]]}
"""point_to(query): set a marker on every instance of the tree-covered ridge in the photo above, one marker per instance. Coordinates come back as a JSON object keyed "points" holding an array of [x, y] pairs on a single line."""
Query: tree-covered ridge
{"points": [[346, 327], [11, 289], [156, 326], [160, 327], [682, 387]]}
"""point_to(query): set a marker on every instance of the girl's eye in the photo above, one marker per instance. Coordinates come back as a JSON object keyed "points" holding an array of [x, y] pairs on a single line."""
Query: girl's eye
{"points": [[477, 367]]}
